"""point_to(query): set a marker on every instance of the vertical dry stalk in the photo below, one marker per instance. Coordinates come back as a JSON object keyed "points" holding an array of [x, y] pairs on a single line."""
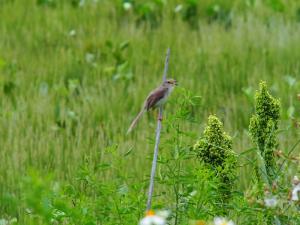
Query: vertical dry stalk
{"points": [[157, 139]]}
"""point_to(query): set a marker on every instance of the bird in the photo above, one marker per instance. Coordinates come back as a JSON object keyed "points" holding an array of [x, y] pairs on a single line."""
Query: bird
{"points": [[156, 98]]}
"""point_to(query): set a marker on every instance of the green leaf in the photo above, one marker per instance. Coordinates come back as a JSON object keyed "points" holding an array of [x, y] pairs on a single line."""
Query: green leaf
{"points": [[291, 111]]}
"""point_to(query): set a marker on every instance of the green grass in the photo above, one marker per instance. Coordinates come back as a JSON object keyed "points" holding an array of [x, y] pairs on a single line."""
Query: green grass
{"points": [[61, 103]]}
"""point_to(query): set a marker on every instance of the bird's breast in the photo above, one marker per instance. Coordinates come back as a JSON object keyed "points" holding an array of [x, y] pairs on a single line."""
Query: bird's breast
{"points": [[164, 99]]}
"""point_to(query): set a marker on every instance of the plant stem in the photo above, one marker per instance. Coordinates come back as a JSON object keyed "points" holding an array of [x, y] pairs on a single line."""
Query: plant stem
{"points": [[265, 177], [157, 139]]}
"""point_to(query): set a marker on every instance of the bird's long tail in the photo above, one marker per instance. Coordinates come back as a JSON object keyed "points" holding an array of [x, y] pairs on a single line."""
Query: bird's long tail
{"points": [[136, 120]]}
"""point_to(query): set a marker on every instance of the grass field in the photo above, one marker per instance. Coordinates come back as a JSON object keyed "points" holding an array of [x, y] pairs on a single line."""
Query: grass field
{"points": [[73, 75]]}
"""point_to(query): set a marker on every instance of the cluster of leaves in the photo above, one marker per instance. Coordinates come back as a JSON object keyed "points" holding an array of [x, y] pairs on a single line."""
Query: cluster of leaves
{"points": [[67, 94], [151, 12], [192, 12], [85, 201], [122, 69], [111, 56], [142, 13], [55, 3], [215, 150], [49, 3], [264, 125]]}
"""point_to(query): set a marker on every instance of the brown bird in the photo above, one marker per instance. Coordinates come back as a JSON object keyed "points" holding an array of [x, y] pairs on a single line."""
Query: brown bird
{"points": [[155, 99]]}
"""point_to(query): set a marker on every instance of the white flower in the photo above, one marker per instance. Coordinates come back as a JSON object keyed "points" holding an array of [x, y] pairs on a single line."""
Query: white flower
{"points": [[271, 201], [89, 57], [4, 222], [163, 213], [152, 219], [81, 3], [193, 193], [178, 8], [127, 6], [72, 33], [222, 221], [295, 180], [296, 189]]}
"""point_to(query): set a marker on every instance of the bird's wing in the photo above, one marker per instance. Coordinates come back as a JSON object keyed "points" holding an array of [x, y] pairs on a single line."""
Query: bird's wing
{"points": [[154, 97]]}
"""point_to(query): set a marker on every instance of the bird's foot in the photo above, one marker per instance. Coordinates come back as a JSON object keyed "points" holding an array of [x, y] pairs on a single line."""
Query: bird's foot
{"points": [[160, 118]]}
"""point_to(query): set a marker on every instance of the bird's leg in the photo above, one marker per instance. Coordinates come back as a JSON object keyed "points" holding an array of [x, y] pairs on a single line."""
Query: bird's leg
{"points": [[160, 118]]}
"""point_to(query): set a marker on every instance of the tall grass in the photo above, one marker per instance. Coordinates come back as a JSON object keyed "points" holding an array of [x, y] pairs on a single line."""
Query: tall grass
{"points": [[71, 85]]}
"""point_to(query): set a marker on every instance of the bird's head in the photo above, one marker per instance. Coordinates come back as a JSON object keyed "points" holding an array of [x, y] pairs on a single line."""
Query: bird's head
{"points": [[170, 83]]}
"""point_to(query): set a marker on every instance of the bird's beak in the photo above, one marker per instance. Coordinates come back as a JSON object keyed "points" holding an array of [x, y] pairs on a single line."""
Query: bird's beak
{"points": [[176, 84]]}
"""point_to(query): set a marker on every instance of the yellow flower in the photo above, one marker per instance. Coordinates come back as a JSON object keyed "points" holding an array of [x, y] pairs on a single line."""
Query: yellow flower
{"points": [[150, 213], [153, 219], [200, 222]]}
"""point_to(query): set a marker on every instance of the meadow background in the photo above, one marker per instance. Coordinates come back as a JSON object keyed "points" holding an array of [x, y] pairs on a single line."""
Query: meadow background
{"points": [[73, 74]]}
